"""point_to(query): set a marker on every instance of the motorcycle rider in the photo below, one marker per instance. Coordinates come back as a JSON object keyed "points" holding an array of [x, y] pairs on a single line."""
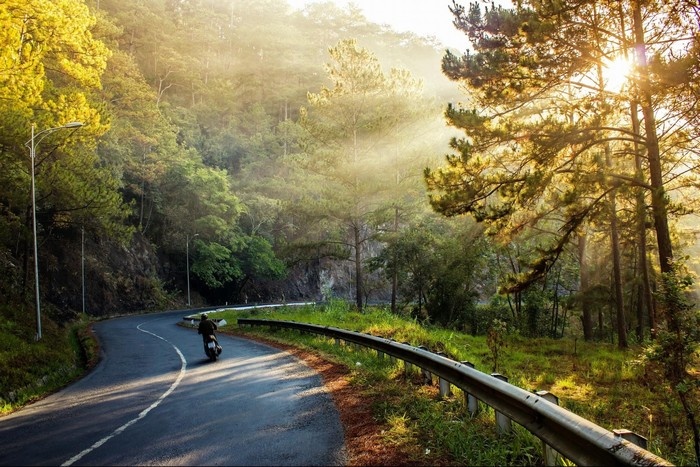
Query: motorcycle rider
{"points": [[206, 329]]}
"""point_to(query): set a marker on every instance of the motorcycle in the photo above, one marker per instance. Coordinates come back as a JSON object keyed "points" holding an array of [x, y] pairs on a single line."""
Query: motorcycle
{"points": [[212, 347]]}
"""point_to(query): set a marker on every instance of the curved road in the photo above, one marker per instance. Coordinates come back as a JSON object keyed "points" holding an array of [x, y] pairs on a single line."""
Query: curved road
{"points": [[155, 399]]}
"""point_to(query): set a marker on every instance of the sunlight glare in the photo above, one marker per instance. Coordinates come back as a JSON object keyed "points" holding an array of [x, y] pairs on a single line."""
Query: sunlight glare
{"points": [[616, 73]]}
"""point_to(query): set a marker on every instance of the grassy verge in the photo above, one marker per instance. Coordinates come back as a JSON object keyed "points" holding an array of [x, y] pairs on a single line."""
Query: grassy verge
{"points": [[30, 370], [594, 380]]}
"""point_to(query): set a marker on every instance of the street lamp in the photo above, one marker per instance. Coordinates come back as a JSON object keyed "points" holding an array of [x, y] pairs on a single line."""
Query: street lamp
{"points": [[31, 144], [82, 263], [188, 266]]}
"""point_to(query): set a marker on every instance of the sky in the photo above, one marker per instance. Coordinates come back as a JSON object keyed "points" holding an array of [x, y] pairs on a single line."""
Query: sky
{"points": [[422, 17]]}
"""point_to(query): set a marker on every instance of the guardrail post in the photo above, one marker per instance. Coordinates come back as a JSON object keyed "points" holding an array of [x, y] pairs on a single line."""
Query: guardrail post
{"points": [[503, 423], [392, 359], [632, 437], [471, 401], [380, 354], [445, 388], [407, 366], [427, 376], [551, 456]]}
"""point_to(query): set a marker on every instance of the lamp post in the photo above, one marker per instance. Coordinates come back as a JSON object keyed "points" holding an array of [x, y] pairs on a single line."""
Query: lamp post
{"points": [[188, 267], [82, 263], [31, 144]]}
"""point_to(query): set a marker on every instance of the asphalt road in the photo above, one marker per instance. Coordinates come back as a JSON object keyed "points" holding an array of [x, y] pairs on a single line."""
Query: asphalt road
{"points": [[155, 399]]}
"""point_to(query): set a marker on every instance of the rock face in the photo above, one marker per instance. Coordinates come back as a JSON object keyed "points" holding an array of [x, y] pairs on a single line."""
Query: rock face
{"points": [[117, 278], [312, 281], [133, 278]]}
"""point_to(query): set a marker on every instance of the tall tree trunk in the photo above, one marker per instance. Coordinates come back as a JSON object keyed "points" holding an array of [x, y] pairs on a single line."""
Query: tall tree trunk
{"points": [[646, 302], [617, 266], [617, 276], [646, 299], [584, 286], [658, 193], [676, 366], [359, 286], [555, 305]]}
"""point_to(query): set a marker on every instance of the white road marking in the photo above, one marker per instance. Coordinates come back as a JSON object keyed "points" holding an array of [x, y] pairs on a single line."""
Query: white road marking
{"points": [[183, 369]]}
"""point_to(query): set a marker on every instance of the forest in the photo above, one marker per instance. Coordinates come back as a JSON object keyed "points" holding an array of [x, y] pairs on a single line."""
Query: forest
{"points": [[198, 120], [244, 151], [166, 153]]}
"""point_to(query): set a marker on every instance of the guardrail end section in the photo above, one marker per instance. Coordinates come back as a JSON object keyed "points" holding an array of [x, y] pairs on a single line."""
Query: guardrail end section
{"points": [[632, 437]]}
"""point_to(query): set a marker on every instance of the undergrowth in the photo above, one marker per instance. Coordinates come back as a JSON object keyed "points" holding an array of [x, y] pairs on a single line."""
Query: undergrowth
{"points": [[31, 369]]}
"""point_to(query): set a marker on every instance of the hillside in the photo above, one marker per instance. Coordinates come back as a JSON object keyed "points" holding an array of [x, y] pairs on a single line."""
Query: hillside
{"points": [[194, 145]]}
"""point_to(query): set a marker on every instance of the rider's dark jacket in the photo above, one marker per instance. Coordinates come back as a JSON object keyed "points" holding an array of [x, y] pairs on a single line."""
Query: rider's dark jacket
{"points": [[206, 328]]}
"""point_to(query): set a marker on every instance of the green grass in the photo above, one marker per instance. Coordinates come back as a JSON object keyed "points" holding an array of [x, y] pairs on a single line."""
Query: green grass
{"points": [[594, 380], [30, 370]]}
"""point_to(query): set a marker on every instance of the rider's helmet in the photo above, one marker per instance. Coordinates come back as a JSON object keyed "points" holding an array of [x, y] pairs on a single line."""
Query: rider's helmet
{"points": [[204, 316]]}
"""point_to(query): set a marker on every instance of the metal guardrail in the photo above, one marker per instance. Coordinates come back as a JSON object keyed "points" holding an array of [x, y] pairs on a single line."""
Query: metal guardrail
{"points": [[574, 437]]}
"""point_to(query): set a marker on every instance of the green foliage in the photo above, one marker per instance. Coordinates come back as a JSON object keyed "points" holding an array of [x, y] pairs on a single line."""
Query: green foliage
{"points": [[438, 265], [496, 341], [350, 128], [183, 107], [56, 65], [215, 264], [32, 369], [240, 259], [545, 150], [336, 308], [675, 351], [497, 309], [459, 264], [259, 260], [410, 256]]}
